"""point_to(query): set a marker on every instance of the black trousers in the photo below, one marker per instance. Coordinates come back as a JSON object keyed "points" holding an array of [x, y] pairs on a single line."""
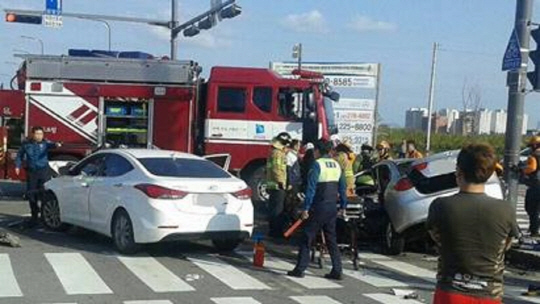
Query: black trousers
{"points": [[325, 221], [34, 183], [275, 217], [532, 206]]}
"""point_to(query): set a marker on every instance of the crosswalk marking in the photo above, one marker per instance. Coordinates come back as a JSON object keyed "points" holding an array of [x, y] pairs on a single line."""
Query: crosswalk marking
{"points": [[149, 302], [227, 274], [408, 269], [235, 300], [8, 283], [373, 278], [281, 267], [390, 299], [314, 300], [155, 275], [76, 274]]}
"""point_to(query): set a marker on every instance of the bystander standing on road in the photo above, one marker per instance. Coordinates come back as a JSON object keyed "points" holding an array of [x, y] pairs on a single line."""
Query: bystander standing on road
{"points": [[325, 182], [412, 152], [473, 232], [532, 198], [383, 151], [35, 152]]}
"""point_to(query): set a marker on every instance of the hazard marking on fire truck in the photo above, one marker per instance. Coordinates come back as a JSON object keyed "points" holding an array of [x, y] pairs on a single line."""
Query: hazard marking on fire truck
{"points": [[66, 109]]}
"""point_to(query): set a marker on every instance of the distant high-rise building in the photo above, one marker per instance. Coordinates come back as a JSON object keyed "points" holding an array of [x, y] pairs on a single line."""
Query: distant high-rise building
{"points": [[451, 116], [498, 121], [414, 118], [538, 125], [525, 123], [482, 122]]}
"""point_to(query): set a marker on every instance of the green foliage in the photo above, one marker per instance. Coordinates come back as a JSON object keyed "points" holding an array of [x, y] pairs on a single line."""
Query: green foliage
{"points": [[439, 142]]}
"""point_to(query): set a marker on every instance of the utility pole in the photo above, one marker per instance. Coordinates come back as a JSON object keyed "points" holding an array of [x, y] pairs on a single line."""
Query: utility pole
{"points": [[174, 35], [431, 94], [517, 84], [297, 54]]}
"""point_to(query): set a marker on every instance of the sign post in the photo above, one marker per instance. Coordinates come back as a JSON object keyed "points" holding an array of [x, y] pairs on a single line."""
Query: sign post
{"points": [[53, 14]]}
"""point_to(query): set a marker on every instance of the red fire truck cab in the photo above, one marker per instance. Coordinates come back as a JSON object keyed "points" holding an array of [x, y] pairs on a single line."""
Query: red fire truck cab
{"points": [[89, 102]]}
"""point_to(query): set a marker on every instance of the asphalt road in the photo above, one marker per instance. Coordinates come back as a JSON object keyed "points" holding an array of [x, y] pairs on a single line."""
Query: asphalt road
{"points": [[81, 267]]}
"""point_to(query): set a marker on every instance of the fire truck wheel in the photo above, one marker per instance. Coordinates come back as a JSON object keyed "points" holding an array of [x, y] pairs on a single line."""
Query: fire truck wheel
{"points": [[256, 181], [122, 233], [50, 213], [226, 245]]}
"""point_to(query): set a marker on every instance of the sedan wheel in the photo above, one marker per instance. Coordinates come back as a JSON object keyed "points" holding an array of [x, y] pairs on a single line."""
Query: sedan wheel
{"points": [[122, 233], [50, 214], [394, 243]]}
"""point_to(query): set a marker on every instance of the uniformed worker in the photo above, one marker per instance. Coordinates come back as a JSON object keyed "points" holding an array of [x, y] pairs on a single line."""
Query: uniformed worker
{"points": [[320, 212], [35, 152], [383, 151], [276, 182], [346, 157], [532, 198]]}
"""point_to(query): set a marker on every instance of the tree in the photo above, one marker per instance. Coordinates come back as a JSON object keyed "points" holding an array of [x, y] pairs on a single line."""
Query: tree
{"points": [[471, 98]]}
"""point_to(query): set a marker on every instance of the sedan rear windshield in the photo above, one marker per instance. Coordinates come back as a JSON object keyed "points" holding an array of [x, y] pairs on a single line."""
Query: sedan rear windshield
{"points": [[428, 185], [181, 167]]}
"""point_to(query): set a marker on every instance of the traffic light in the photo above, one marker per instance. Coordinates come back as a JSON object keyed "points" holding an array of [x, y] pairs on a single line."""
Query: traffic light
{"points": [[207, 23], [534, 76], [191, 31], [31, 19], [231, 11]]}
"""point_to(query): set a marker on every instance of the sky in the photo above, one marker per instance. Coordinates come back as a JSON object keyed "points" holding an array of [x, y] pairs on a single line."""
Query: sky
{"points": [[398, 34]]}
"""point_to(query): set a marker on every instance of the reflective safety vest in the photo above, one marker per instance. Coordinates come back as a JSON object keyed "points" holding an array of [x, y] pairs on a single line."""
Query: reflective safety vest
{"points": [[326, 193], [330, 170], [276, 169]]}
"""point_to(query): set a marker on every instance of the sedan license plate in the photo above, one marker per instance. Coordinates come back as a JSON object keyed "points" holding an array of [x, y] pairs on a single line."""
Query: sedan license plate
{"points": [[211, 200]]}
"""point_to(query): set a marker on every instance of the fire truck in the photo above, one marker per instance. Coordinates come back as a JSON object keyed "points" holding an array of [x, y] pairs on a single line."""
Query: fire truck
{"points": [[90, 99]]}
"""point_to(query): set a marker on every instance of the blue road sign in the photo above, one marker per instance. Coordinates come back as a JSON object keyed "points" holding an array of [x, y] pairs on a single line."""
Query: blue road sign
{"points": [[512, 57], [53, 7]]}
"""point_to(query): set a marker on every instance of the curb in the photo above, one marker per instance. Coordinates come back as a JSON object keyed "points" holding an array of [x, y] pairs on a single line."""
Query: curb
{"points": [[524, 258]]}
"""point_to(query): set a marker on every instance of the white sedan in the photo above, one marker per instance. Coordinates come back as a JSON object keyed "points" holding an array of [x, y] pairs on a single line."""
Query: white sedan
{"points": [[141, 196]]}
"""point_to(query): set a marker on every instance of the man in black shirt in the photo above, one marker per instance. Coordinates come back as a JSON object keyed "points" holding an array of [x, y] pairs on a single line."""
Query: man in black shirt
{"points": [[473, 232]]}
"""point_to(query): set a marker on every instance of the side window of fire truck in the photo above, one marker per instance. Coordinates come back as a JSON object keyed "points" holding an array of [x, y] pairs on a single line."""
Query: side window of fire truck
{"points": [[116, 165], [262, 98], [289, 102], [232, 100]]}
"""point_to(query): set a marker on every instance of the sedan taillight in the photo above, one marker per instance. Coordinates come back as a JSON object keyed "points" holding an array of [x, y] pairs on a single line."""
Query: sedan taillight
{"points": [[244, 194], [158, 192], [403, 184]]}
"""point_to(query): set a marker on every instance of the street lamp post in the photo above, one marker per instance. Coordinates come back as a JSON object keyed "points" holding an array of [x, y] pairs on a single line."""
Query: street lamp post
{"points": [[107, 25], [38, 40]]}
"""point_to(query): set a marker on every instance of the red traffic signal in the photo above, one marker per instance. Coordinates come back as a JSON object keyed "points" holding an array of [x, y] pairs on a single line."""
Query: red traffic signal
{"points": [[31, 19]]}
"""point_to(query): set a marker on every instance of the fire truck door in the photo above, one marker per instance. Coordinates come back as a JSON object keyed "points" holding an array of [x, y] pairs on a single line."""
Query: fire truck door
{"points": [[173, 124]]}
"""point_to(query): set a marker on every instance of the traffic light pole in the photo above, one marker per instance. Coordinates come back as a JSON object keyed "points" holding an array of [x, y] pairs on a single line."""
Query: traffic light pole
{"points": [[174, 35], [517, 85]]}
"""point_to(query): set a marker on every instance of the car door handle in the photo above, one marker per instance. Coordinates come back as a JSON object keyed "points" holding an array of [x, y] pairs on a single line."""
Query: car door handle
{"points": [[118, 185], [84, 184]]}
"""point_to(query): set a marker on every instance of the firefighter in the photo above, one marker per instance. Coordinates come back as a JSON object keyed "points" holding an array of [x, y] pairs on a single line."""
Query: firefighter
{"points": [[383, 151], [276, 181], [345, 157], [325, 181], [532, 198], [35, 152], [412, 152]]}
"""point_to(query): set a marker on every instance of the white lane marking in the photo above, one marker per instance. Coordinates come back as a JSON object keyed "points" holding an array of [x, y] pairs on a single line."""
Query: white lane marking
{"points": [[409, 269], [515, 293], [154, 274], [227, 274], [389, 299], [235, 300], [315, 300], [373, 256], [149, 302], [373, 278], [76, 274], [281, 267], [8, 283]]}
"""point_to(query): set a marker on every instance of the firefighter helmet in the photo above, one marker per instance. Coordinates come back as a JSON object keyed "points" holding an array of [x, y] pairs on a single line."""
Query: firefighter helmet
{"points": [[534, 141], [284, 138]]}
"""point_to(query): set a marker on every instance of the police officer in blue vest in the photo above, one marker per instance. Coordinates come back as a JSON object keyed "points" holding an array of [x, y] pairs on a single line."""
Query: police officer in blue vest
{"points": [[35, 152], [325, 182]]}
